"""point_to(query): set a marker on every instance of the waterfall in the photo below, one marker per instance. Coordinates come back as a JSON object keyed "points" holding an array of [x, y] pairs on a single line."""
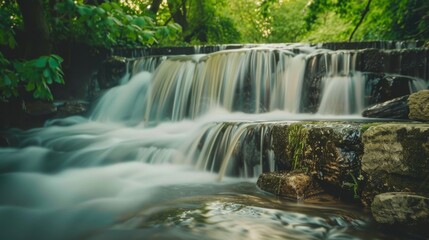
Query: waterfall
{"points": [[179, 135], [343, 89], [253, 80], [232, 149], [147, 64]]}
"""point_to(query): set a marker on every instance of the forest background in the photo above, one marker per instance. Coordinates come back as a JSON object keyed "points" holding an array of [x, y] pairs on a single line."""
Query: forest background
{"points": [[37, 35]]}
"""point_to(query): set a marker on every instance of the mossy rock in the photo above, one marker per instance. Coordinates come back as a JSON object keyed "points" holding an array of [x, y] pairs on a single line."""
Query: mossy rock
{"points": [[328, 151], [333, 156], [396, 158], [295, 185], [419, 106]]}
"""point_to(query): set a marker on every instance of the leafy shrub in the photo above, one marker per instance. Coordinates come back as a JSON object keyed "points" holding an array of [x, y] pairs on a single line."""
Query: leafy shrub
{"points": [[108, 25], [35, 75]]}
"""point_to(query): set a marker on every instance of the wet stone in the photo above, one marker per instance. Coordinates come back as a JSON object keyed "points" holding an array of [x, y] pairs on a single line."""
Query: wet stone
{"points": [[419, 105], [396, 108], [395, 159], [72, 108], [39, 108], [400, 208], [332, 155], [292, 185]]}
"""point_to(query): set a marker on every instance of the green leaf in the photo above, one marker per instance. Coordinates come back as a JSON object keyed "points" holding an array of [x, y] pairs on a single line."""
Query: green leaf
{"points": [[12, 43], [53, 63], [99, 11], [41, 62], [175, 26], [119, 23], [106, 6], [36, 94], [139, 22], [56, 57], [30, 86], [149, 20], [136, 28], [46, 73], [6, 81], [84, 10], [148, 34], [128, 18]]}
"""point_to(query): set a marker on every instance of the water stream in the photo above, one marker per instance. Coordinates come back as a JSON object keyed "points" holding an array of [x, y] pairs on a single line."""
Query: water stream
{"points": [[156, 158]]}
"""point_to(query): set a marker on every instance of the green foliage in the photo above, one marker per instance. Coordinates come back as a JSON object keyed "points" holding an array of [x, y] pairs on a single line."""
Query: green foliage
{"points": [[330, 28], [297, 135], [35, 75], [208, 24], [38, 73], [354, 185], [10, 20], [8, 79], [109, 25], [252, 24], [288, 23], [332, 20], [397, 20]]}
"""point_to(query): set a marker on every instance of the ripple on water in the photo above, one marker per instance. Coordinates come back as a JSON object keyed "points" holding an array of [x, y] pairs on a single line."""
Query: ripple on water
{"points": [[239, 217]]}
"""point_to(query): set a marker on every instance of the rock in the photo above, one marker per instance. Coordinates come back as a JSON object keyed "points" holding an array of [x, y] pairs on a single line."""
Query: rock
{"points": [[396, 108], [4, 141], [72, 108], [293, 185], [395, 159], [111, 71], [331, 154], [419, 105], [328, 151], [400, 208], [39, 108]]}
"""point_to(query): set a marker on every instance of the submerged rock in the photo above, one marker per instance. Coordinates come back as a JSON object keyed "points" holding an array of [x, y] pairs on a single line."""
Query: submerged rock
{"points": [[419, 105], [292, 185], [395, 159], [400, 208], [396, 108]]}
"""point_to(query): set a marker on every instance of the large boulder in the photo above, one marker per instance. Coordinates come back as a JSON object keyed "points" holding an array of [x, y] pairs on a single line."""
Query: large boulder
{"points": [[401, 208], [419, 105], [396, 108], [395, 159], [292, 185]]}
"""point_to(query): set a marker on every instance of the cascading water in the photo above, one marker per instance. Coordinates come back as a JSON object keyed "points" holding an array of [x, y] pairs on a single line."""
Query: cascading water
{"points": [[343, 88], [173, 154]]}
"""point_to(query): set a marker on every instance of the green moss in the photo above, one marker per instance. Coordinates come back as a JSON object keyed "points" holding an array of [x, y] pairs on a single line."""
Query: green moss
{"points": [[279, 145], [366, 126], [416, 154], [297, 142]]}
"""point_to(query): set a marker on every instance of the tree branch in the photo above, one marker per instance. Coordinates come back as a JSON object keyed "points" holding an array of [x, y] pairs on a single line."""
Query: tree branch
{"points": [[365, 11]]}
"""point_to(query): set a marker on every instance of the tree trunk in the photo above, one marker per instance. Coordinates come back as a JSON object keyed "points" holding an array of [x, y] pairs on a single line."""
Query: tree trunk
{"points": [[154, 7], [36, 30], [178, 12]]}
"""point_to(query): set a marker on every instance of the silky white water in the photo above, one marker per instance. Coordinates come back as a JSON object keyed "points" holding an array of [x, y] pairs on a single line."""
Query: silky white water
{"points": [[174, 154]]}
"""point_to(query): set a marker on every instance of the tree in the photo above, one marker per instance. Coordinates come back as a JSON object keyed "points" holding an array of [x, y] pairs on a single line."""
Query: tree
{"points": [[202, 22], [288, 23], [252, 25], [369, 20], [36, 30], [38, 26]]}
